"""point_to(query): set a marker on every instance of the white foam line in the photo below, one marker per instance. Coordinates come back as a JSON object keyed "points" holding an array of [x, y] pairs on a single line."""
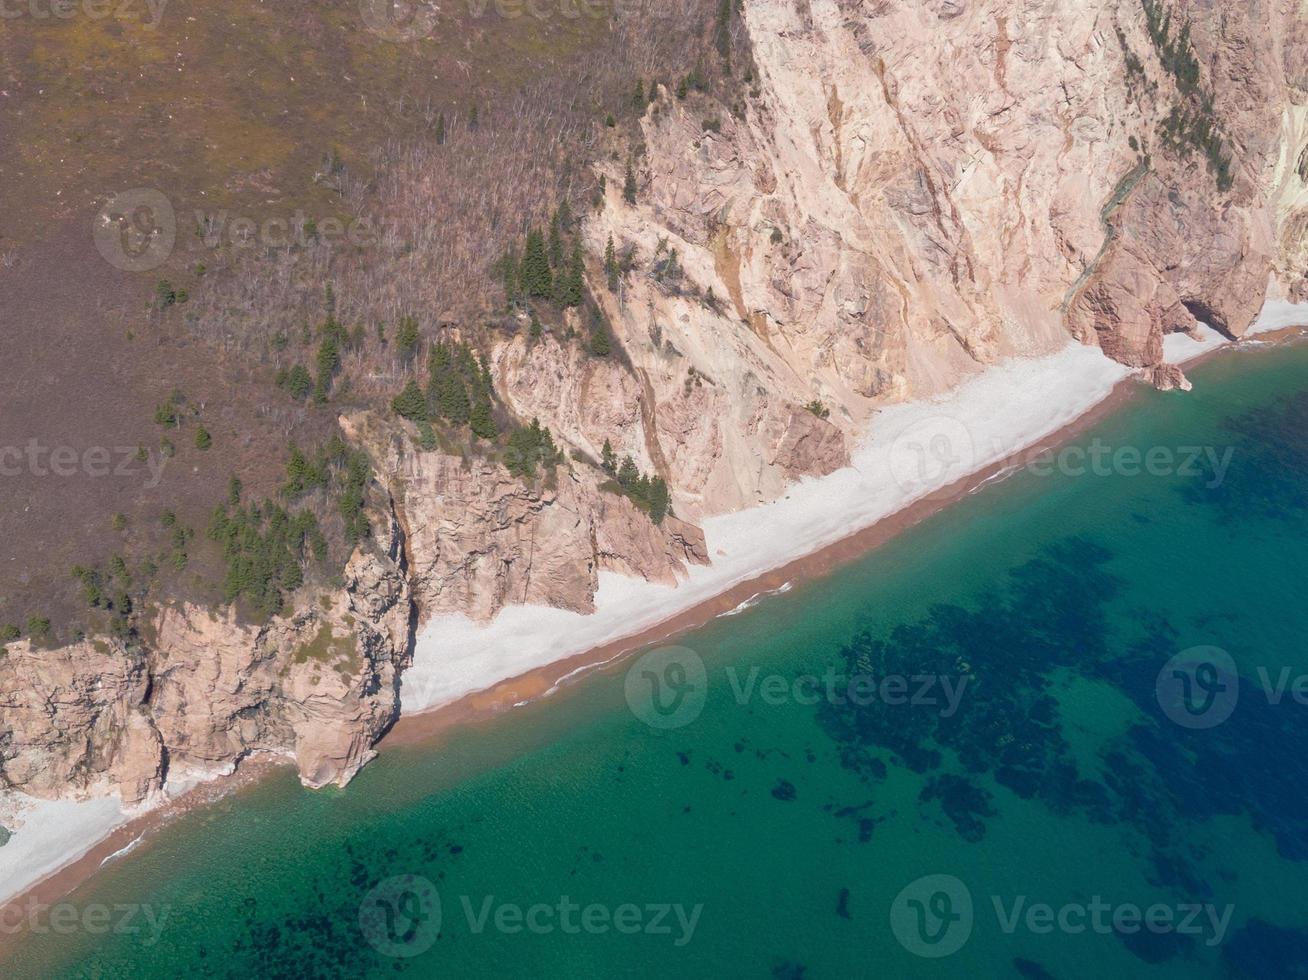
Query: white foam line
{"points": [[911, 450], [999, 412], [123, 851]]}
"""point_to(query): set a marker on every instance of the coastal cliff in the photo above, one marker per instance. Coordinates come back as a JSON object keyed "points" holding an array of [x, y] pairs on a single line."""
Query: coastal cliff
{"points": [[902, 195], [909, 192], [205, 691]]}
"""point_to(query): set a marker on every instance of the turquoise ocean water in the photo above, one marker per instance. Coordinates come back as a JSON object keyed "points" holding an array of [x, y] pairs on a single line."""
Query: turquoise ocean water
{"points": [[1053, 731]]}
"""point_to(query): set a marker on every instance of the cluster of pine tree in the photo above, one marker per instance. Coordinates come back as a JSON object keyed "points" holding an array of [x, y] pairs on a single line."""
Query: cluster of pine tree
{"points": [[600, 344], [1186, 129], [180, 538], [696, 81], [309, 472], [265, 548], [333, 341], [109, 593], [1177, 55], [550, 268], [354, 495], [650, 494], [530, 447], [458, 391], [170, 413], [305, 473]]}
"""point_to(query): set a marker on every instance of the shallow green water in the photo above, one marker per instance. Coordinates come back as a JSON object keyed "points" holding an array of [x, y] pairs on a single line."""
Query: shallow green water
{"points": [[792, 836]]}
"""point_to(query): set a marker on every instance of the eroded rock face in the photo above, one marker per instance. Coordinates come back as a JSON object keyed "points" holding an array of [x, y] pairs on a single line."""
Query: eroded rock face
{"points": [[206, 690], [911, 191], [481, 538], [76, 719], [904, 193]]}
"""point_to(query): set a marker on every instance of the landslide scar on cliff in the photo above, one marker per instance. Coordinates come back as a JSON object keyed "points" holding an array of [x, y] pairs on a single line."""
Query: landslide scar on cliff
{"points": [[1121, 192]]}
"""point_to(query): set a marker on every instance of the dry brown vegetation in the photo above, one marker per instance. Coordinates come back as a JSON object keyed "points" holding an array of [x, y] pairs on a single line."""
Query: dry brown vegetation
{"points": [[262, 110], [442, 209]]}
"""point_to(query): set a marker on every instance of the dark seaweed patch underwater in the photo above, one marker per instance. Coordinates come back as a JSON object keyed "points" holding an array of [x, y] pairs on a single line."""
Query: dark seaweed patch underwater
{"points": [[1081, 713]]}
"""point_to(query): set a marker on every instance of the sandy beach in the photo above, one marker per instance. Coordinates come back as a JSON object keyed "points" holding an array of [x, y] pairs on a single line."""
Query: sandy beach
{"points": [[917, 459], [915, 453]]}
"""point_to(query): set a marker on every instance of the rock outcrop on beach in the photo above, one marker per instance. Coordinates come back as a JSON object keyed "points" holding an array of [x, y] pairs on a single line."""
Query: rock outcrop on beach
{"points": [[481, 538], [205, 691]]}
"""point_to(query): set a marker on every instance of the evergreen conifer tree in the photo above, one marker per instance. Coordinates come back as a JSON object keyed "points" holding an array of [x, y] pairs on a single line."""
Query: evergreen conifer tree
{"points": [[575, 278], [629, 186], [480, 418], [627, 473], [411, 403], [536, 278], [611, 265], [407, 338], [658, 499], [453, 397]]}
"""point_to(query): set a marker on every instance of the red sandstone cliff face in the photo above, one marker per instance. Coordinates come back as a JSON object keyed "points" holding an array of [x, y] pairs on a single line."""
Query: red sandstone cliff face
{"points": [[480, 538], [905, 192], [320, 686], [910, 191]]}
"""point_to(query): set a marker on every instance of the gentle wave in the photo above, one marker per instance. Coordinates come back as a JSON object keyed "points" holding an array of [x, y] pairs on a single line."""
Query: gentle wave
{"points": [[123, 851], [755, 599]]}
